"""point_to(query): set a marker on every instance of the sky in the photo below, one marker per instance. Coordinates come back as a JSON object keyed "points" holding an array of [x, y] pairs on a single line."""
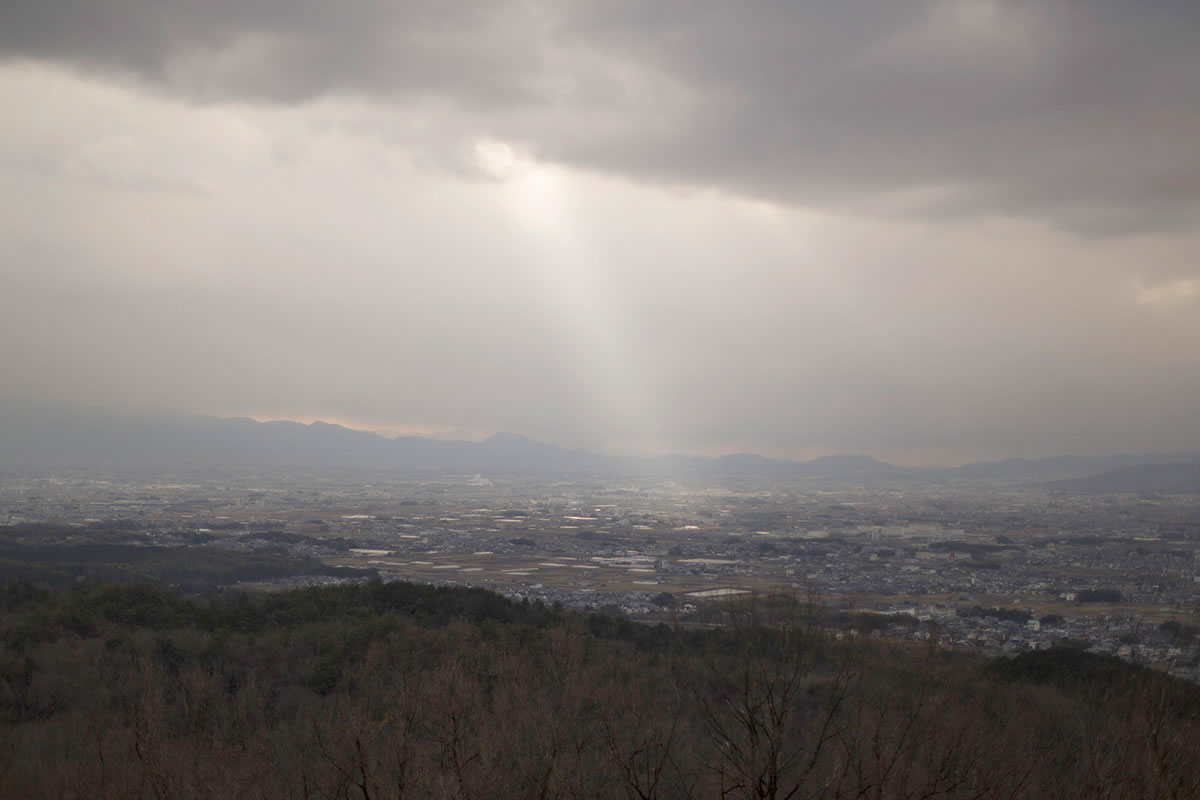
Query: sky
{"points": [[934, 232]]}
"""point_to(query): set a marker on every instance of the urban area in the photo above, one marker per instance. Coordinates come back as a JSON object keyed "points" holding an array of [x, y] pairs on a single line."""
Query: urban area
{"points": [[1002, 568]]}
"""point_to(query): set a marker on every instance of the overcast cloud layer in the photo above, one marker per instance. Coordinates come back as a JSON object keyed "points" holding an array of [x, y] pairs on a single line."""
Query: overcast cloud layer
{"points": [[929, 231]]}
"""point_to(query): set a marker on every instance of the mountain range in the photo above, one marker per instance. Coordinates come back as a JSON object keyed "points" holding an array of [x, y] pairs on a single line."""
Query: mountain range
{"points": [[61, 436], [1178, 478]]}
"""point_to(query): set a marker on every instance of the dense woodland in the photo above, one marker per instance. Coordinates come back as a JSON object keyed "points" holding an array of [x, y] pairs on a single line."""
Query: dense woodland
{"points": [[61, 555], [400, 690]]}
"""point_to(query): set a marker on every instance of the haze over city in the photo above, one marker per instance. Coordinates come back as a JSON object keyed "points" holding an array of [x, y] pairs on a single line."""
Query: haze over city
{"points": [[565, 398], [933, 232]]}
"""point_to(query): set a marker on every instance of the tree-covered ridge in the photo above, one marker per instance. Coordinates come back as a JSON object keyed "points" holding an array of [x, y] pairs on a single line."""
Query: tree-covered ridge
{"points": [[403, 690]]}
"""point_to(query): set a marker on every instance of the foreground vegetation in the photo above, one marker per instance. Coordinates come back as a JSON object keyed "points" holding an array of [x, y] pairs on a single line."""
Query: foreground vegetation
{"points": [[400, 690]]}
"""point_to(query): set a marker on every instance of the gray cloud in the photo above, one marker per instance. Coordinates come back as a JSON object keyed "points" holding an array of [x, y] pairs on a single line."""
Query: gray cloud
{"points": [[1075, 112], [1081, 114], [287, 51], [790, 228]]}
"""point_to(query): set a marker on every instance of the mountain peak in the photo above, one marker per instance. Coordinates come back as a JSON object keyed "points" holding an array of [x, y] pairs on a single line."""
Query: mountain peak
{"points": [[505, 437], [850, 461]]}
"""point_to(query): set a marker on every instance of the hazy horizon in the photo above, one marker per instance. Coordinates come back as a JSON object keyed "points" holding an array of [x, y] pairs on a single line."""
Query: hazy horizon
{"points": [[82, 420], [933, 232]]}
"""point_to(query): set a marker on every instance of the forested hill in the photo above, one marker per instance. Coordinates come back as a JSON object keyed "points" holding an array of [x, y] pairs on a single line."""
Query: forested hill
{"points": [[399, 690]]}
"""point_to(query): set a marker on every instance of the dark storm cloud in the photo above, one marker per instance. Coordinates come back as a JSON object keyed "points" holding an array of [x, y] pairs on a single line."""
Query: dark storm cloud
{"points": [[282, 50], [1084, 114]]}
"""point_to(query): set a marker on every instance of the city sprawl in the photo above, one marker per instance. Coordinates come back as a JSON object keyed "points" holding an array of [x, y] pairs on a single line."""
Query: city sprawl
{"points": [[988, 565]]}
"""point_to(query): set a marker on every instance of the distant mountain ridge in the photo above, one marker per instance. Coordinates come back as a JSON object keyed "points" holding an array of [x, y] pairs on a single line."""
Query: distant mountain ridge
{"points": [[94, 437], [1064, 466], [823, 466], [89, 437], [1178, 478]]}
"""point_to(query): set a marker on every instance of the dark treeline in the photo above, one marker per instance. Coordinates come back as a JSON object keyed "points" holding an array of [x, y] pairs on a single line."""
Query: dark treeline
{"points": [[55, 555], [399, 690]]}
